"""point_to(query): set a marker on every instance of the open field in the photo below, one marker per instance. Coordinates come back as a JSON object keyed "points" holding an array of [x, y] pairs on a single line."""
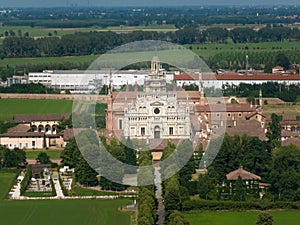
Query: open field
{"points": [[67, 212], [203, 50], [53, 154], [281, 109], [207, 50], [9, 107], [244, 218], [17, 62], [44, 32]]}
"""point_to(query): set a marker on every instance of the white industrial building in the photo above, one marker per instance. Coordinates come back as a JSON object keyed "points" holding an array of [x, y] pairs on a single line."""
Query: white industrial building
{"points": [[77, 81]]}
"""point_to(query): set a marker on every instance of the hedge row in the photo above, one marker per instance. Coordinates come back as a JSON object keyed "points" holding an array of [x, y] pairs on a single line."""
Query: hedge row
{"points": [[25, 182], [232, 205], [63, 188]]}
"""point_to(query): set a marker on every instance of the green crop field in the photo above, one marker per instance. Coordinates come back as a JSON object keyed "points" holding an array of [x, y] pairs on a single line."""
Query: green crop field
{"points": [[207, 50], [9, 107], [18, 62], [60, 212], [243, 218]]}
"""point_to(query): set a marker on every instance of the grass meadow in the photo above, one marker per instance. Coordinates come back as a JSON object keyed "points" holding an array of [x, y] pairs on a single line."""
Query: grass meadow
{"points": [[59, 212], [241, 218], [9, 107], [281, 109]]}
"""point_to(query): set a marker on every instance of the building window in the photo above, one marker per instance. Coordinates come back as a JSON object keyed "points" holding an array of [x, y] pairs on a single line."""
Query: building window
{"points": [[156, 111], [120, 124], [240, 114], [143, 131], [33, 143], [228, 114], [180, 130], [20, 145], [170, 130], [218, 114], [26, 145]]}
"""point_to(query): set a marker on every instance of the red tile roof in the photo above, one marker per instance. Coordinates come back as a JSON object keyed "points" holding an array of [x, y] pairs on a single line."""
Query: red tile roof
{"points": [[237, 76], [240, 172]]}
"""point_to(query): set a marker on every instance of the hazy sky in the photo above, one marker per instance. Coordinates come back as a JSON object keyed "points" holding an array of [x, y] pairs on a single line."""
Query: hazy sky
{"points": [[51, 3]]}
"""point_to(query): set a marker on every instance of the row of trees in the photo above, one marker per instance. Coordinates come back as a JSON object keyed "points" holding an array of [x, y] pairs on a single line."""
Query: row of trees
{"points": [[178, 16], [286, 92], [175, 190], [28, 88], [260, 60], [147, 204], [100, 42]]}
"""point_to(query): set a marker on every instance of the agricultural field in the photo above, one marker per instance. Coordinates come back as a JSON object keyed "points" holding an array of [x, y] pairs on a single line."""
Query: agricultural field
{"points": [[18, 62], [9, 107], [207, 50], [67, 212], [281, 109], [38, 32], [245, 218]]}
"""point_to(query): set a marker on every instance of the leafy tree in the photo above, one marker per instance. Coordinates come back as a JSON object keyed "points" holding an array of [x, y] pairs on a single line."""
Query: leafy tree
{"points": [[264, 219], [239, 193], [177, 218], [206, 186], [282, 60], [130, 156], [11, 158], [85, 174], [274, 131], [43, 158], [284, 176]]}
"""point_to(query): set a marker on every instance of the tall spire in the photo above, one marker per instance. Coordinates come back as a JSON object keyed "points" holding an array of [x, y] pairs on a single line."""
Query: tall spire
{"points": [[110, 86], [201, 90], [155, 65], [260, 98]]}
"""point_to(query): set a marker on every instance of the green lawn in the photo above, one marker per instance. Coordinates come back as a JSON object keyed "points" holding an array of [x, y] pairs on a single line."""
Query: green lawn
{"points": [[79, 191], [53, 154], [59, 212], [9, 107], [6, 179], [241, 218]]}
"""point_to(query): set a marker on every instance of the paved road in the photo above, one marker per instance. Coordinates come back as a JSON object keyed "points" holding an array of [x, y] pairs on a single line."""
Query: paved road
{"points": [[59, 192], [158, 194]]}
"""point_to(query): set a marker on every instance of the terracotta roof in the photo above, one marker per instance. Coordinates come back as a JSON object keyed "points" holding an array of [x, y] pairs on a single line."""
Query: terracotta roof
{"points": [[287, 133], [291, 141], [23, 134], [249, 127], [27, 118], [70, 133], [253, 114], [278, 67], [237, 76], [286, 117], [240, 172], [19, 128], [225, 108]]}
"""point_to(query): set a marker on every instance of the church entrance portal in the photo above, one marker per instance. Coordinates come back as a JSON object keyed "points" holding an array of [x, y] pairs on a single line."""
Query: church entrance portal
{"points": [[157, 132]]}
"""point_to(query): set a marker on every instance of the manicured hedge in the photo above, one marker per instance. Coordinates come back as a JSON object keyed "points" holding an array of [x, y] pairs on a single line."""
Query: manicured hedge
{"points": [[25, 182], [232, 205]]}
